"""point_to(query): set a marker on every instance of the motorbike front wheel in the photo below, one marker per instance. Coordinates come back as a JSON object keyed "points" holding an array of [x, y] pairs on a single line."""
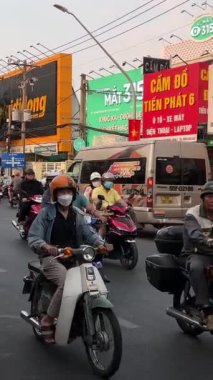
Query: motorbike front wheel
{"points": [[105, 353], [129, 255]]}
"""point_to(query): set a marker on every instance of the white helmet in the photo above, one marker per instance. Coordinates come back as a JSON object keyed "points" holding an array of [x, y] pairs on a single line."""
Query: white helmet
{"points": [[95, 175]]}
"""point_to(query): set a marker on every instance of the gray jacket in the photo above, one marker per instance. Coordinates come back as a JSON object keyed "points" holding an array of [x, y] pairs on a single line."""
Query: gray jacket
{"points": [[41, 228], [197, 231]]}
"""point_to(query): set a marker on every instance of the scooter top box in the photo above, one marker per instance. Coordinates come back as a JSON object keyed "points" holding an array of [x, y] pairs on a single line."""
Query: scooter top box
{"points": [[170, 240]]}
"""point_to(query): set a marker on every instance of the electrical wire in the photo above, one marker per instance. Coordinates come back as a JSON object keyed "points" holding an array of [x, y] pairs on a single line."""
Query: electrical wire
{"points": [[132, 28], [118, 25], [105, 25]]}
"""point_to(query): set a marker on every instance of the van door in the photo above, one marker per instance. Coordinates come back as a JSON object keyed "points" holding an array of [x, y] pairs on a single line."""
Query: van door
{"points": [[167, 198], [194, 174]]}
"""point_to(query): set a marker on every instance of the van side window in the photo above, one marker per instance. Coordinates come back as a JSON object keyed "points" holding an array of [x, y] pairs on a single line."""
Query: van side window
{"points": [[74, 170], [180, 171], [126, 171]]}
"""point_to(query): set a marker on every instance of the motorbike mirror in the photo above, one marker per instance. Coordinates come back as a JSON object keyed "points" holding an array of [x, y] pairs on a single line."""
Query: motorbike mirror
{"points": [[101, 197]]}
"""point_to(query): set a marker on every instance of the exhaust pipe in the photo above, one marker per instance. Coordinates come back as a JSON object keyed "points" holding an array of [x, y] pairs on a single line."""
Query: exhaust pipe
{"points": [[14, 223], [172, 312], [32, 321]]}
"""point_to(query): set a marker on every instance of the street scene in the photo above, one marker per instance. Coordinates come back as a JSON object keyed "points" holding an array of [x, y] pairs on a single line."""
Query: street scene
{"points": [[153, 345], [106, 190]]}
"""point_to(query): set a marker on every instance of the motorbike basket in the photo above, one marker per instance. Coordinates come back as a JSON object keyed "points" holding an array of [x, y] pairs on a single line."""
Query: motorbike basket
{"points": [[163, 272], [170, 240]]}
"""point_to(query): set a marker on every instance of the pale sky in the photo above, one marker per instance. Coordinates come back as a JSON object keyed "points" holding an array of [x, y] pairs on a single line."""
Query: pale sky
{"points": [[27, 22]]}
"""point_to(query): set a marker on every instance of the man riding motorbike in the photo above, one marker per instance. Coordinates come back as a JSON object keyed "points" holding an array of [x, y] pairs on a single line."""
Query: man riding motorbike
{"points": [[28, 187], [111, 196], [59, 225], [198, 246]]}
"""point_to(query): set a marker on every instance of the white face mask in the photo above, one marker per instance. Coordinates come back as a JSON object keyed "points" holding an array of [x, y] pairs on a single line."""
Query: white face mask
{"points": [[96, 183], [65, 200]]}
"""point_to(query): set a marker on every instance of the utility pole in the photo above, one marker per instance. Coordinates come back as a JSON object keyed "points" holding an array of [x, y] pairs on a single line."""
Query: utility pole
{"points": [[83, 91], [24, 106], [9, 123], [23, 66]]}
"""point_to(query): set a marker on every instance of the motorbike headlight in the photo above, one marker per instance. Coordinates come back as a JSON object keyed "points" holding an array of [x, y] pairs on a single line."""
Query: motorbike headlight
{"points": [[88, 253]]}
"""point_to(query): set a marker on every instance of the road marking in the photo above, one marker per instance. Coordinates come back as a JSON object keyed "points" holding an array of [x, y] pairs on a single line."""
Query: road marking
{"points": [[9, 316], [2, 270], [127, 324]]}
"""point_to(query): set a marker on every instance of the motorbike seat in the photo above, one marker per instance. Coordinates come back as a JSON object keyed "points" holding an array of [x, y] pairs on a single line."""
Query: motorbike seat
{"points": [[35, 266]]}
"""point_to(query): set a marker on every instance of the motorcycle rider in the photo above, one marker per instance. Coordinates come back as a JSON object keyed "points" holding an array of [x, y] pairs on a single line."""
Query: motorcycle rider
{"points": [[95, 181], [59, 224], [111, 196], [28, 187], [80, 202], [198, 246]]}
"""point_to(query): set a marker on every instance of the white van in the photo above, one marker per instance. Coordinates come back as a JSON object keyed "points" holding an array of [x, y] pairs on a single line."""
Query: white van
{"points": [[161, 179]]}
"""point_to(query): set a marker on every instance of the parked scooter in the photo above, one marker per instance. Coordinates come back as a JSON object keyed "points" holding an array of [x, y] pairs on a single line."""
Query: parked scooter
{"points": [[35, 207], [121, 232], [85, 311], [166, 272]]}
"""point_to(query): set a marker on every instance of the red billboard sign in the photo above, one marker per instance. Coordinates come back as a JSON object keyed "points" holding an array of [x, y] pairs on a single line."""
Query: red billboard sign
{"points": [[175, 102]]}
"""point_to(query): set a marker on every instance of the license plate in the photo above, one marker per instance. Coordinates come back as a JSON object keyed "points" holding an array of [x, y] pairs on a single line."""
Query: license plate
{"points": [[166, 199]]}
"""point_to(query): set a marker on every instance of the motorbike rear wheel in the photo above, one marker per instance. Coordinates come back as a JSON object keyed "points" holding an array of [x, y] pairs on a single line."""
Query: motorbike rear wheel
{"points": [[181, 304], [105, 353], [129, 255]]}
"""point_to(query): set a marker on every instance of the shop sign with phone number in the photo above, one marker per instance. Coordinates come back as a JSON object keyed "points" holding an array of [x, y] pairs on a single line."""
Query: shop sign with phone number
{"points": [[202, 28]]}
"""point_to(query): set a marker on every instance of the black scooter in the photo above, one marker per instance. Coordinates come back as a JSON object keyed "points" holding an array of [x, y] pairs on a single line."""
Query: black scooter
{"points": [[166, 271]]}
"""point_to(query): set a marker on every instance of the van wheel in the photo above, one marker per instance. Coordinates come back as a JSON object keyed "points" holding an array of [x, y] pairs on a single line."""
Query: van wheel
{"points": [[158, 226]]}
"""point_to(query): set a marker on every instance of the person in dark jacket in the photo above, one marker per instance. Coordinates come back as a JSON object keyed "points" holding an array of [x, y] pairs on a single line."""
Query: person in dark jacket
{"points": [[198, 246], [59, 225], [28, 187]]}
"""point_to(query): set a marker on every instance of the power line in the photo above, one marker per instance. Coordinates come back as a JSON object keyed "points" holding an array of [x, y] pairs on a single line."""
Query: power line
{"points": [[105, 25], [116, 26], [134, 27]]}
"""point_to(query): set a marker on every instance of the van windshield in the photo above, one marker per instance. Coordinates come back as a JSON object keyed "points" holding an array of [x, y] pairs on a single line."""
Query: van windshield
{"points": [[126, 171], [180, 171]]}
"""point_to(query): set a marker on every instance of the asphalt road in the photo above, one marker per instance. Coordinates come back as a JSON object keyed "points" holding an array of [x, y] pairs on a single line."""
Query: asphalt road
{"points": [[153, 346]]}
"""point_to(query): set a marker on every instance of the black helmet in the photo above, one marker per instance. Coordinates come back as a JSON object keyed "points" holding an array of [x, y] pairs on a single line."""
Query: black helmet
{"points": [[207, 189]]}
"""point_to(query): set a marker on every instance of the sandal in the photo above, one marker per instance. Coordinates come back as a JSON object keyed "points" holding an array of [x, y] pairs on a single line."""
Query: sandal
{"points": [[48, 333]]}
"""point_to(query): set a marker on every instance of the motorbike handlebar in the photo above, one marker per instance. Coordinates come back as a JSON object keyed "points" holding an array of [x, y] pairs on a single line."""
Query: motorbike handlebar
{"points": [[86, 251]]}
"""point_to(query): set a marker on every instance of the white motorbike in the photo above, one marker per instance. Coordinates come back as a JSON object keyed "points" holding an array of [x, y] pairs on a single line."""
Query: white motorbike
{"points": [[85, 311]]}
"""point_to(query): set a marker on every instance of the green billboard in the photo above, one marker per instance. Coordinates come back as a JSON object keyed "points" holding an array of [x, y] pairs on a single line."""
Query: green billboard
{"points": [[109, 106], [202, 28]]}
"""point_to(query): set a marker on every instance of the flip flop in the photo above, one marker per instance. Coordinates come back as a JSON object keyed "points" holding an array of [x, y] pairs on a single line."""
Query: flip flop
{"points": [[48, 333]]}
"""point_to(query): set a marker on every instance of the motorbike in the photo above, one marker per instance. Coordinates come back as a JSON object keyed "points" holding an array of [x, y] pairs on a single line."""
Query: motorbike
{"points": [[85, 311], [35, 206], [167, 272], [120, 232], [13, 197], [1, 192]]}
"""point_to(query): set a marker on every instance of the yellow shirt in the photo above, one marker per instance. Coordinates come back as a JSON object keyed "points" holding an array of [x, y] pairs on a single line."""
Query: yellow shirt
{"points": [[111, 196]]}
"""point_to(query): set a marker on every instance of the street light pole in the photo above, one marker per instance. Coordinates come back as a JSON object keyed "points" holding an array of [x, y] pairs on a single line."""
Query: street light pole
{"points": [[65, 10], [24, 106]]}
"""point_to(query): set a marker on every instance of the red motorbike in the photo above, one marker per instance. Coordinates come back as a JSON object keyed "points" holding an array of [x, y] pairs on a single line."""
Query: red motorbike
{"points": [[35, 207], [121, 232]]}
